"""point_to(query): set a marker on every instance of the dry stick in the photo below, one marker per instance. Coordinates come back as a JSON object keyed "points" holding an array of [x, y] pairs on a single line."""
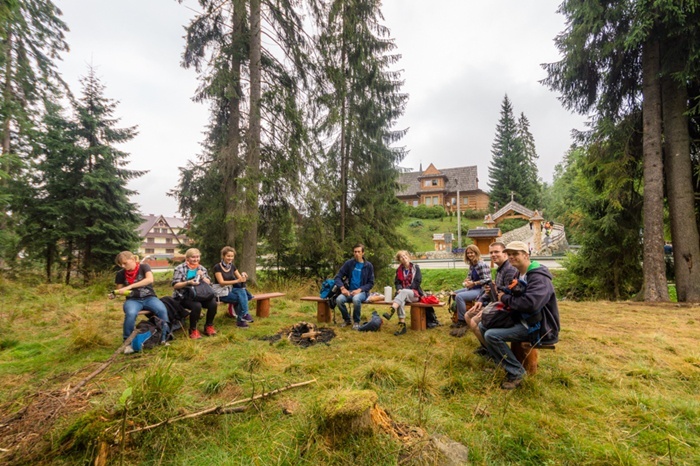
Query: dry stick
{"points": [[104, 366], [221, 409]]}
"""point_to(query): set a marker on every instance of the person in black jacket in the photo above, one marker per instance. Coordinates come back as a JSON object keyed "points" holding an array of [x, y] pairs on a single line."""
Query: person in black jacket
{"points": [[408, 290], [535, 313]]}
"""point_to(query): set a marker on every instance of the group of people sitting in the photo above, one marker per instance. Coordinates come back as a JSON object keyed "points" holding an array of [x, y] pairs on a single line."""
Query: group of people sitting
{"points": [[135, 282], [522, 292]]}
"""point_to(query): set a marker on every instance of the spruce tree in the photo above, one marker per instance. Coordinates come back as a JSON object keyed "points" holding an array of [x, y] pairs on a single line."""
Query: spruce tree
{"points": [[509, 172], [531, 187], [360, 99], [106, 219]]}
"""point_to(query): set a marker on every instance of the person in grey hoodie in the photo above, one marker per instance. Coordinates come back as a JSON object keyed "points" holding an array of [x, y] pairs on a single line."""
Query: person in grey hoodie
{"points": [[535, 313]]}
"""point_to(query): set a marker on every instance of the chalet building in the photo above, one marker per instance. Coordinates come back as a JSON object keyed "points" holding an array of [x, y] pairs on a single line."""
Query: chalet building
{"points": [[161, 235], [439, 187]]}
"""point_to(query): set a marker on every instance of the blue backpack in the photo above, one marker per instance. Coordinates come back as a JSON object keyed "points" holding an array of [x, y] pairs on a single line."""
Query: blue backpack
{"points": [[327, 288]]}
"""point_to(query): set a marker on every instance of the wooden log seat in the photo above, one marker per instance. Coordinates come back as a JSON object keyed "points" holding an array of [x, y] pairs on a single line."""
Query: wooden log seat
{"points": [[527, 355]]}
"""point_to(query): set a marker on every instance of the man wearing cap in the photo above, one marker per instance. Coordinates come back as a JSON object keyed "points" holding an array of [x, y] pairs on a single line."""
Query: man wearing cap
{"points": [[535, 311], [504, 276]]}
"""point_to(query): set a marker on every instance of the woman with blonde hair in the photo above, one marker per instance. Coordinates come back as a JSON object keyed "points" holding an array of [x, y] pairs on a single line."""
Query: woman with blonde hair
{"points": [[189, 274], [135, 281], [479, 275]]}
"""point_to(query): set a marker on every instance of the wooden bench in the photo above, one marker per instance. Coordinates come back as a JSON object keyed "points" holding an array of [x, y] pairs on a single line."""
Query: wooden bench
{"points": [[262, 304], [528, 355], [418, 318]]}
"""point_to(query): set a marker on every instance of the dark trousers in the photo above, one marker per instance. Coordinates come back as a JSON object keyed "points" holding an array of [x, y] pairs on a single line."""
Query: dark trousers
{"points": [[195, 308]]}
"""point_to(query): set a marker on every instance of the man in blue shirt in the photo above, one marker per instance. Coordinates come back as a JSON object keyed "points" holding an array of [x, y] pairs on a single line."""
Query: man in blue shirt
{"points": [[355, 279]]}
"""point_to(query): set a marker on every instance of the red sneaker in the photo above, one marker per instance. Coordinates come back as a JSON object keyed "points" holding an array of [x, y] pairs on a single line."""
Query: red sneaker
{"points": [[209, 331], [194, 334], [231, 311]]}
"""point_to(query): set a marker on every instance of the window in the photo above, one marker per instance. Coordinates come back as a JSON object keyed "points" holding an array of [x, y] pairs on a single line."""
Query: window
{"points": [[169, 240], [434, 182], [454, 201], [149, 251], [436, 200], [170, 251], [415, 203], [426, 183], [150, 239], [428, 200]]}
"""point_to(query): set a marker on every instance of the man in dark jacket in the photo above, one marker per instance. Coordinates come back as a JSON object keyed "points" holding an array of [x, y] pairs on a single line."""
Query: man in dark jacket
{"points": [[535, 311], [505, 273], [355, 279]]}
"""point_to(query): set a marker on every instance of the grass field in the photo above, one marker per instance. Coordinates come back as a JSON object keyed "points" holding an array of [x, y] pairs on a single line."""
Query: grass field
{"points": [[621, 388], [420, 237]]}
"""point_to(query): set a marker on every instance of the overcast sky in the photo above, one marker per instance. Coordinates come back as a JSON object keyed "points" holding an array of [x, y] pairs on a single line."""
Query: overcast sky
{"points": [[459, 58]]}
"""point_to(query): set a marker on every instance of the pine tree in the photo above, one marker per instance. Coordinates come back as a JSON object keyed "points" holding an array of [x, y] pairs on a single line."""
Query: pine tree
{"points": [[611, 63], [31, 40], [106, 220], [243, 154], [360, 99], [509, 172], [531, 186]]}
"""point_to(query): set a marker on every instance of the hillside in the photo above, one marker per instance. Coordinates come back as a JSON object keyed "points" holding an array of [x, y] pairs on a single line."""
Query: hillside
{"points": [[419, 232], [621, 388]]}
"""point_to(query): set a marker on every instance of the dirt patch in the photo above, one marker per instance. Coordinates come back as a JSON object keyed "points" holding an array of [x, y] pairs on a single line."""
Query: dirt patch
{"points": [[23, 433], [303, 334]]}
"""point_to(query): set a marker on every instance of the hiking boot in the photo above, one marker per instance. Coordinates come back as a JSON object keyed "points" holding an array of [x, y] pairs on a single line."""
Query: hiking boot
{"points": [[481, 351], [194, 334], [248, 318], [458, 324], [356, 326], [346, 323], [389, 315], [231, 311], [209, 330], [401, 330], [242, 324], [511, 384]]}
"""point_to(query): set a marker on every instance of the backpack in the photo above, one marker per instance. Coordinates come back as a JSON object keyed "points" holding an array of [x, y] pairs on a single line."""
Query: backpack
{"points": [[327, 288], [149, 335]]}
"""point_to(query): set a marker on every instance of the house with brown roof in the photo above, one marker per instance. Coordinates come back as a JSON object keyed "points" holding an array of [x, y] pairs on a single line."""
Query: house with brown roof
{"points": [[439, 187], [161, 235]]}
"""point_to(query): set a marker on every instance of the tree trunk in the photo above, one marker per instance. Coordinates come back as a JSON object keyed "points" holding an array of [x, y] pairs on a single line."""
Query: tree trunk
{"points": [[679, 185], [229, 157], [69, 261], [343, 140], [655, 287], [250, 233]]}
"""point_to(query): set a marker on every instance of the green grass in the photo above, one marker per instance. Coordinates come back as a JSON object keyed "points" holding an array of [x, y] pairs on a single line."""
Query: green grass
{"points": [[420, 237], [621, 387]]}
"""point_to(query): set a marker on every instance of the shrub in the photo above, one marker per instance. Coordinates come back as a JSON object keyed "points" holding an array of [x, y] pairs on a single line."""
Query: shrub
{"points": [[512, 224], [415, 224], [423, 211]]}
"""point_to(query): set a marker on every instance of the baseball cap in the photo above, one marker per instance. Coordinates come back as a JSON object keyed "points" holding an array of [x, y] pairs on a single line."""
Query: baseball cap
{"points": [[517, 246]]}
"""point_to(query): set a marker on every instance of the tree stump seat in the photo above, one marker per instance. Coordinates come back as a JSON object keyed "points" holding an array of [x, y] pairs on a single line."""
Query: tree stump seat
{"points": [[528, 355]]}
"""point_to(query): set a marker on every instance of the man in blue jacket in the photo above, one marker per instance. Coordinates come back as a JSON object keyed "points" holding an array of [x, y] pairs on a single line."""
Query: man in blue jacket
{"points": [[355, 279], [534, 309]]}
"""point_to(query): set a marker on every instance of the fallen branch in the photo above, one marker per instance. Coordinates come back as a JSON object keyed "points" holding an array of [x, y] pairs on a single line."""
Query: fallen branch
{"points": [[105, 365], [223, 409]]}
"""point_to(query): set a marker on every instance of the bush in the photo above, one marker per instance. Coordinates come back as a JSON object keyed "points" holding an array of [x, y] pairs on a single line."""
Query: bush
{"points": [[474, 214], [423, 211], [415, 224]]}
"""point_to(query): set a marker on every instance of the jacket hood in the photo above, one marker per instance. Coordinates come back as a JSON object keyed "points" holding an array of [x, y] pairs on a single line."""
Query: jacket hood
{"points": [[537, 268]]}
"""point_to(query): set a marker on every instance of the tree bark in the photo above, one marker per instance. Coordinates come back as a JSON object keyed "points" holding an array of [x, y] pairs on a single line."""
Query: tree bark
{"points": [[250, 230], [655, 287], [679, 184], [343, 140], [229, 158]]}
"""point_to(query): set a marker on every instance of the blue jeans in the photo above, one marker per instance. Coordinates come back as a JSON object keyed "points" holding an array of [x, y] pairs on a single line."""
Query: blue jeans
{"points": [[464, 295], [153, 304], [357, 301], [239, 296], [497, 343]]}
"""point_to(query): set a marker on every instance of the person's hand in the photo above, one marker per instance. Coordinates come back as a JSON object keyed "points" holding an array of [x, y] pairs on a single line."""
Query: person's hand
{"points": [[356, 292], [500, 295], [468, 283], [244, 278], [476, 307], [344, 292]]}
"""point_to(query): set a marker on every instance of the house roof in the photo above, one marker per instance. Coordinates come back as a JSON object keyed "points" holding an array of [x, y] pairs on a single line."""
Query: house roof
{"points": [[150, 220], [462, 178], [484, 233], [515, 207]]}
